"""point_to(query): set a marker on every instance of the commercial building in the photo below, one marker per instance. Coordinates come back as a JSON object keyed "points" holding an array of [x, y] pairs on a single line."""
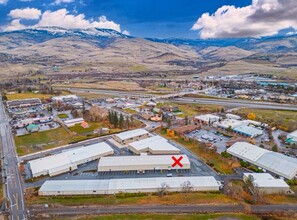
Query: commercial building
{"points": [[73, 122], [65, 98], [181, 130], [232, 116], [142, 163], [153, 145], [68, 160], [273, 162], [23, 103], [246, 127], [207, 119], [131, 136], [248, 131], [292, 138], [131, 185], [266, 183]]}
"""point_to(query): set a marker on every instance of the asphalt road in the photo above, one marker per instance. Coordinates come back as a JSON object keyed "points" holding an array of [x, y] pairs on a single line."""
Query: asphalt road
{"points": [[234, 103], [37, 211], [13, 186]]}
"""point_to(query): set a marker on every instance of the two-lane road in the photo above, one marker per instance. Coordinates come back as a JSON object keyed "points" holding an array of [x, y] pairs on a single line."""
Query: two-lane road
{"points": [[13, 186]]}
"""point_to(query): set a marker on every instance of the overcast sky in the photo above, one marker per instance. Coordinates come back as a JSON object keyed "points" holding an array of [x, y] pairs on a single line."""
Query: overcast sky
{"points": [[157, 18]]}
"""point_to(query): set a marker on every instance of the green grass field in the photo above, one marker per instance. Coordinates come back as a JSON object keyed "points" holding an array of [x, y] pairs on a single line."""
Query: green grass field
{"points": [[80, 130], [52, 138], [62, 116]]}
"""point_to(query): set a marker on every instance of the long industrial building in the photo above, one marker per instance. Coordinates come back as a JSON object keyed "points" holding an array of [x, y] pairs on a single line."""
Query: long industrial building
{"points": [[131, 136], [271, 161], [153, 145], [142, 162], [131, 185], [68, 160]]}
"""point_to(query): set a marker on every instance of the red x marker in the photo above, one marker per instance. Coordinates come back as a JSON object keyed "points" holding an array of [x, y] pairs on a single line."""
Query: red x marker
{"points": [[177, 161]]}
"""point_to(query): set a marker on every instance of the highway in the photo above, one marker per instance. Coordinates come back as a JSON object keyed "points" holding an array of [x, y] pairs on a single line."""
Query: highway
{"points": [[235, 103], [232, 103], [38, 211], [13, 185]]}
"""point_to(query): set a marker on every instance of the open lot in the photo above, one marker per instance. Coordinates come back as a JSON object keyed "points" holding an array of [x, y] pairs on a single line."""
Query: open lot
{"points": [[192, 109], [110, 85], [27, 95], [225, 216], [42, 140], [283, 120]]}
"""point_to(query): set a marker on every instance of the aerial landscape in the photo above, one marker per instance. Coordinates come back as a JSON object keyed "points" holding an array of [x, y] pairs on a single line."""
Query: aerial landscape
{"points": [[129, 109]]}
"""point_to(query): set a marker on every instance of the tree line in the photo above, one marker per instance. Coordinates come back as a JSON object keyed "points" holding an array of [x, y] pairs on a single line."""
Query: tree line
{"points": [[119, 121]]}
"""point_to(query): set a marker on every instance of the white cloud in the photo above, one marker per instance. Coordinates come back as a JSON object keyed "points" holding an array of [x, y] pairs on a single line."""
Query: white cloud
{"points": [[58, 2], [261, 18], [60, 18], [26, 13], [2, 2], [14, 25]]}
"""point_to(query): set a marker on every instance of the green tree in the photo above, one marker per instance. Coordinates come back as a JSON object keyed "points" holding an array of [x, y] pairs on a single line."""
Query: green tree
{"points": [[275, 148], [121, 121], [4, 98], [115, 119], [186, 120]]}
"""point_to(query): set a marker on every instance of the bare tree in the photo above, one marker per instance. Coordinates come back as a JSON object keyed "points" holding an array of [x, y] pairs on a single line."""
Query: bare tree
{"points": [[162, 190], [187, 187]]}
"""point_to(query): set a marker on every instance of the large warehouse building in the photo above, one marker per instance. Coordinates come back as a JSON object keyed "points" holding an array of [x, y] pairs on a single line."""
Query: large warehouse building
{"points": [[266, 183], [131, 136], [271, 161], [142, 163], [153, 145], [68, 160], [135, 185]]}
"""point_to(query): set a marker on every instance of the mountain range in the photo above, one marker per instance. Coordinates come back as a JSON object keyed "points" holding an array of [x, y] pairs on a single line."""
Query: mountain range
{"points": [[108, 51]]}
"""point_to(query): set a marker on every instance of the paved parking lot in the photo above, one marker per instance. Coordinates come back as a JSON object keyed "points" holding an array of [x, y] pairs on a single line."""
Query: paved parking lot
{"points": [[204, 136], [89, 170]]}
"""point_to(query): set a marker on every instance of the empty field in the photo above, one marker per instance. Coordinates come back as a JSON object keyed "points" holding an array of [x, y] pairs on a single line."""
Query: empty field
{"points": [[284, 120]]}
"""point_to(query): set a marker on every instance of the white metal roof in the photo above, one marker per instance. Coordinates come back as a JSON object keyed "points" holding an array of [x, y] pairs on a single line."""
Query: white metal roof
{"points": [[265, 180], [246, 151], [293, 135], [69, 157], [155, 143], [61, 98], [49, 163], [75, 120], [207, 117], [274, 162], [130, 134], [143, 159], [248, 130], [121, 185]]}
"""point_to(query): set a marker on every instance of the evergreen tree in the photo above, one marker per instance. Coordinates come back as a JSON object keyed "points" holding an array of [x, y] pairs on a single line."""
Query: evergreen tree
{"points": [[121, 121], [127, 122], [115, 119], [110, 116]]}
